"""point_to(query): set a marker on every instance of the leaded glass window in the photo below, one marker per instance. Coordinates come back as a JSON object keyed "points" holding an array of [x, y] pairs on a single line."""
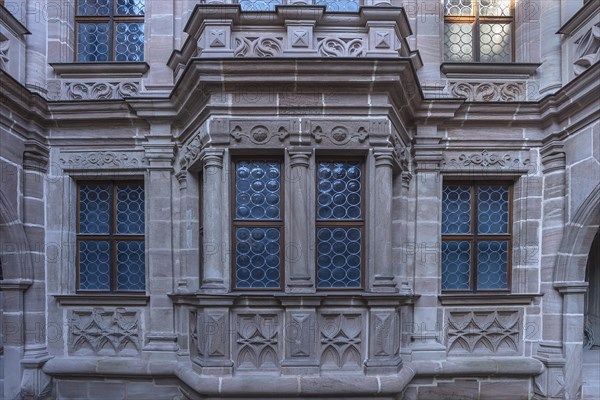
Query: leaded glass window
{"points": [[110, 237], [478, 31], [258, 224], [330, 5], [476, 236], [340, 224], [110, 30]]}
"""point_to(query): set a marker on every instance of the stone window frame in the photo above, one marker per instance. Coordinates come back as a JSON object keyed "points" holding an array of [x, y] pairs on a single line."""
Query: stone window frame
{"points": [[112, 237], [473, 184], [476, 20], [111, 20], [341, 223]]}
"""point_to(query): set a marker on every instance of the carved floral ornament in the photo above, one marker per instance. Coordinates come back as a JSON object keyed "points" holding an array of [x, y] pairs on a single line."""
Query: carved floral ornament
{"points": [[103, 159], [489, 91], [99, 90], [587, 52], [259, 134], [340, 135], [485, 159]]}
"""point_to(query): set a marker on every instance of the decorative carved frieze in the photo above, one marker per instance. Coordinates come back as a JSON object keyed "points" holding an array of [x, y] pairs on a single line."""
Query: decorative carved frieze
{"points": [[489, 91], [102, 160], [484, 332], [4, 46], [587, 52], [338, 133], [341, 337], [257, 341], [259, 134], [485, 160], [341, 46], [258, 46], [99, 90], [104, 332]]}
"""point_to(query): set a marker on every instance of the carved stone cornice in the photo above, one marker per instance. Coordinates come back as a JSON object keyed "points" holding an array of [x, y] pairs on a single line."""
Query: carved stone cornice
{"points": [[70, 160]]}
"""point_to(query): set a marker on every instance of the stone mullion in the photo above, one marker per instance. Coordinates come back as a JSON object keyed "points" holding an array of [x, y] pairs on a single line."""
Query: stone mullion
{"points": [[213, 268], [300, 275], [383, 274]]}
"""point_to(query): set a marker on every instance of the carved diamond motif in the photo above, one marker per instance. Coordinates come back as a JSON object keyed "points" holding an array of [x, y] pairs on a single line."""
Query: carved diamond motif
{"points": [[217, 38], [300, 38], [382, 40]]}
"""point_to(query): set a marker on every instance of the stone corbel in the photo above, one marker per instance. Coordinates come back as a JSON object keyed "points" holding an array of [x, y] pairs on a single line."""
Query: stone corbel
{"points": [[553, 157]]}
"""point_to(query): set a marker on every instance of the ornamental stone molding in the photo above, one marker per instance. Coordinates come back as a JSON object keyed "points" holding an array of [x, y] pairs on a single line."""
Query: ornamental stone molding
{"points": [[342, 341], [104, 332], [587, 52], [485, 160], [489, 91], [86, 90], [102, 160], [484, 332], [342, 46], [259, 134], [257, 46], [257, 341]]}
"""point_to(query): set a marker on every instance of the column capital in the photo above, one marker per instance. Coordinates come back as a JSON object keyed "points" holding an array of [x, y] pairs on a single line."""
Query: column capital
{"points": [[212, 158], [300, 156], [384, 157]]}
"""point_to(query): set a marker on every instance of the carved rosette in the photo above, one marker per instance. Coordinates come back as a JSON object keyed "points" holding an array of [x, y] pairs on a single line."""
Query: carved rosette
{"points": [[489, 91], [484, 332], [104, 332], [102, 160], [485, 160], [99, 90]]}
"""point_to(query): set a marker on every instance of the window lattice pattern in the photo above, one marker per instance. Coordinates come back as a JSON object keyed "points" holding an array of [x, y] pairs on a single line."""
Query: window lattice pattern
{"points": [[458, 42], [94, 265], [257, 257], [339, 257], [93, 42], [492, 272], [495, 42], [339, 190], [494, 8], [258, 190], [259, 5], [339, 5], [492, 210], [94, 209], [456, 265], [459, 7], [130, 7], [456, 210], [129, 42], [130, 209], [93, 8], [330, 5], [130, 265]]}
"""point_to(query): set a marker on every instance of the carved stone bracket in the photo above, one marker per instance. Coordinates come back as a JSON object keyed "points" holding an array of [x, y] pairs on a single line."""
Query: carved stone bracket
{"points": [[485, 160], [102, 160]]}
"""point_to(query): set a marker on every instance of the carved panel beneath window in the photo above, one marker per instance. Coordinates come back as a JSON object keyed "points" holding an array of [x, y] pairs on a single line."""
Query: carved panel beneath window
{"points": [[489, 91], [483, 332], [257, 341], [98, 90], [341, 337], [104, 332]]}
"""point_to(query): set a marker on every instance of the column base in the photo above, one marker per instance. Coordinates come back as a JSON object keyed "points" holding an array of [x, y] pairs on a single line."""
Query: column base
{"points": [[215, 368], [384, 284], [426, 347], [301, 284], [383, 367], [161, 342]]}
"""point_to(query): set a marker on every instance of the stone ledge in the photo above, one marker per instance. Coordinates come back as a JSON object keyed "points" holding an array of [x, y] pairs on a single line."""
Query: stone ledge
{"points": [[584, 14], [489, 70], [8, 20], [101, 69], [488, 299], [101, 299], [479, 366]]}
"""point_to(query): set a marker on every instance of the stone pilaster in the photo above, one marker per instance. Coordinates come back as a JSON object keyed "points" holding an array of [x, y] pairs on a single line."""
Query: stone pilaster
{"points": [[383, 275], [300, 275], [384, 338], [213, 267], [549, 384], [301, 337], [187, 263], [550, 71]]}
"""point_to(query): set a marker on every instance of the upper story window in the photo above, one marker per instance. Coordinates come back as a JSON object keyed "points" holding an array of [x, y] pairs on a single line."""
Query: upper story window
{"points": [[330, 5], [478, 31], [340, 224], [258, 224], [110, 30], [110, 237], [476, 236]]}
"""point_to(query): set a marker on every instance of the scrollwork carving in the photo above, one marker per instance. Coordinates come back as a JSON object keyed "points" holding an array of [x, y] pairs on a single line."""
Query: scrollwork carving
{"points": [[340, 135], [99, 90], [258, 46], [485, 159], [341, 47], [103, 159], [258, 134], [489, 91]]}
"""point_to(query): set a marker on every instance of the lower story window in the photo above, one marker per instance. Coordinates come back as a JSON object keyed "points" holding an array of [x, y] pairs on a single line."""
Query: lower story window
{"points": [[110, 237], [476, 236]]}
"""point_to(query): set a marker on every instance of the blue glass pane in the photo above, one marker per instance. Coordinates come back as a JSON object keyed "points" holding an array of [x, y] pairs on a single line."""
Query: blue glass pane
{"points": [[130, 7], [259, 5], [456, 265], [339, 257], [130, 209], [492, 271], [93, 8], [257, 257], [257, 194], [492, 209], [94, 208], [339, 5], [339, 194], [92, 42], [456, 210], [94, 265], [129, 41], [130, 265]]}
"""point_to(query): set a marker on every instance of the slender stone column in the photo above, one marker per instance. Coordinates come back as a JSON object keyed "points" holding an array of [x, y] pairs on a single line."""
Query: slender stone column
{"points": [[550, 71], [383, 277], [300, 274], [213, 271]]}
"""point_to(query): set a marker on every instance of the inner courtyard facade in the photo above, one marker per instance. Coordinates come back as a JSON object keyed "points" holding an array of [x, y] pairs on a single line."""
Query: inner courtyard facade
{"points": [[363, 199]]}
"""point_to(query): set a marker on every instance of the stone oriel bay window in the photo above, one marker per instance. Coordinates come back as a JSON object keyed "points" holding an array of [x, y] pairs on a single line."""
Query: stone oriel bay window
{"points": [[109, 30], [479, 31], [110, 236], [476, 236]]}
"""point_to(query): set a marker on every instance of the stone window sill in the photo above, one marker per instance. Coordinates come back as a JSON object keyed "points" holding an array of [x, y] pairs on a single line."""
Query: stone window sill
{"points": [[102, 299], [488, 299], [486, 70], [94, 70]]}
